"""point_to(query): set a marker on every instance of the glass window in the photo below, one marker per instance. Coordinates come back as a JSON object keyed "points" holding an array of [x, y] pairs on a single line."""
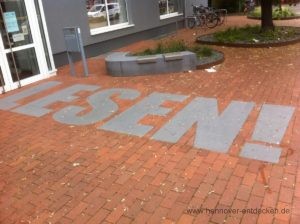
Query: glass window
{"points": [[26, 64], [106, 13], [168, 6], [15, 21]]}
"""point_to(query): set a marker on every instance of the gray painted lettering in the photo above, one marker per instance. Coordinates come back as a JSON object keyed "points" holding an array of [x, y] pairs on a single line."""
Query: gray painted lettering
{"points": [[271, 126], [127, 122], [10, 101], [272, 123], [214, 132], [102, 105], [36, 108], [261, 152]]}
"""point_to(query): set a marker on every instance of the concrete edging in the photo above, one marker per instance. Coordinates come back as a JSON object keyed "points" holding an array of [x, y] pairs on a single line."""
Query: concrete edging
{"points": [[203, 40], [285, 18], [218, 59]]}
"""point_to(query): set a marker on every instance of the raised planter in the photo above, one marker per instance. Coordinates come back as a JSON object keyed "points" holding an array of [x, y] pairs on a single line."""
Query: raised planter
{"points": [[215, 59], [210, 40], [124, 64]]}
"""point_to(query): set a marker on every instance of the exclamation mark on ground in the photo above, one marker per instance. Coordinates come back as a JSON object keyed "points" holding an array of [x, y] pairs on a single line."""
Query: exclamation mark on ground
{"points": [[270, 128]]}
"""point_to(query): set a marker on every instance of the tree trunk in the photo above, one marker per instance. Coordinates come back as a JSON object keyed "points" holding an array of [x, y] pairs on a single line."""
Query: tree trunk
{"points": [[266, 15], [280, 6]]}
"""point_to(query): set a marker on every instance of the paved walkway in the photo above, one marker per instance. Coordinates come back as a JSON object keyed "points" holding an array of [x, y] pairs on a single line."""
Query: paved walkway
{"points": [[100, 162]]}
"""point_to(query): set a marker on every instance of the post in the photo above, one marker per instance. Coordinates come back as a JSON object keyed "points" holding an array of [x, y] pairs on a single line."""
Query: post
{"points": [[74, 44]]}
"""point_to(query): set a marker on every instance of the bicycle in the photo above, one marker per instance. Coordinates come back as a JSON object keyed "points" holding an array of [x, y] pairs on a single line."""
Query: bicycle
{"points": [[202, 16], [222, 14]]}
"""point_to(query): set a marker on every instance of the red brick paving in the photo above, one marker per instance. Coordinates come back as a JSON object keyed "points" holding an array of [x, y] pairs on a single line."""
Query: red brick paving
{"points": [[125, 179]]}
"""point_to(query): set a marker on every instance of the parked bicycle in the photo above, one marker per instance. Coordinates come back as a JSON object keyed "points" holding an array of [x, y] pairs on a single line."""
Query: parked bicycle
{"points": [[222, 15], [202, 16]]}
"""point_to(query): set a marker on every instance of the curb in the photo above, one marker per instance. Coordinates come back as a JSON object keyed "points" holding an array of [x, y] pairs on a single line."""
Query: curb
{"points": [[212, 63], [285, 18]]}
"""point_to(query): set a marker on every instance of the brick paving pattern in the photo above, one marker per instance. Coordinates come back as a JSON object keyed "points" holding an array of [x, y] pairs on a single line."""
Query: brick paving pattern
{"points": [[56, 173]]}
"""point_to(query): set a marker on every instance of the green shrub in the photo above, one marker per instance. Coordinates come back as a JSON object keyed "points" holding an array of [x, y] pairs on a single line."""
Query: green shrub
{"points": [[202, 51], [148, 51], [165, 47], [176, 46], [159, 49], [234, 34], [253, 34], [284, 13], [276, 13], [256, 12]]}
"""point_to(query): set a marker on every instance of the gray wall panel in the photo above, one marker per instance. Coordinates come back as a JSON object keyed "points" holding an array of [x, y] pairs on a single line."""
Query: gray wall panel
{"points": [[144, 14], [109, 45], [63, 13]]}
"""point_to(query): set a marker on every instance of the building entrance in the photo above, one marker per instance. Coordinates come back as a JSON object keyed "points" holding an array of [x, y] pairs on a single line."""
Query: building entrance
{"points": [[24, 46]]}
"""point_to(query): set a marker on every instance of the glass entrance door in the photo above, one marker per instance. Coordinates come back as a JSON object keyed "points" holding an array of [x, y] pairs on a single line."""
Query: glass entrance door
{"points": [[23, 51]]}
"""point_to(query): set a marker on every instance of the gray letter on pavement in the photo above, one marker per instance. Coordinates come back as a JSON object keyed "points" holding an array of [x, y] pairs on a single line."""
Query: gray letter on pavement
{"points": [[127, 122], [37, 107], [102, 105], [10, 101], [215, 132]]}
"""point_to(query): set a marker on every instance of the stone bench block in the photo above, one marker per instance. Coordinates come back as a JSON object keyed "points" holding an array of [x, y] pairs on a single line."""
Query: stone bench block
{"points": [[124, 64], [146, 59], [173, 56]]}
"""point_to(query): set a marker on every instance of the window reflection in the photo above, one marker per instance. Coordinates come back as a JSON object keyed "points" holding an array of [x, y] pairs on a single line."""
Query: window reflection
{"points": [[168, 6], [105, 13]]}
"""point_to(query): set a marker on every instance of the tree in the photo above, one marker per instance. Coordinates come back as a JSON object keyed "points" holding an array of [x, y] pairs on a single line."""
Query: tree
{"points": [[266, 15]]}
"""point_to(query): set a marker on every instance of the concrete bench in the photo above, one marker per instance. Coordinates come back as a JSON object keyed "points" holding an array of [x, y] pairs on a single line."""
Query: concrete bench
{"points": [[124, 64], [146, 59], [173, 56]]}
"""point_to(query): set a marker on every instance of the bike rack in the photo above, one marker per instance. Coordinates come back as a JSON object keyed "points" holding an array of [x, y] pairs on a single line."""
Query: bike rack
{"points": [[186, 20]]}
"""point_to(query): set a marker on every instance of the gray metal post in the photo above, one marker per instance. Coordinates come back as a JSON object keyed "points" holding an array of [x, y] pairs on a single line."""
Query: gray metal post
{"points": [[72, 69], [85, 67], [74, 44]]}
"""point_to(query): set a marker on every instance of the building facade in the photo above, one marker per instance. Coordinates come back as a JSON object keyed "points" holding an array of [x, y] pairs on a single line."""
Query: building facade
{"points": [[32, 43]]}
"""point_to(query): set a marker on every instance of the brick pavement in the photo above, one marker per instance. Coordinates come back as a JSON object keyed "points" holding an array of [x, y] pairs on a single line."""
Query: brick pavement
{"points": [[57, 173]]}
